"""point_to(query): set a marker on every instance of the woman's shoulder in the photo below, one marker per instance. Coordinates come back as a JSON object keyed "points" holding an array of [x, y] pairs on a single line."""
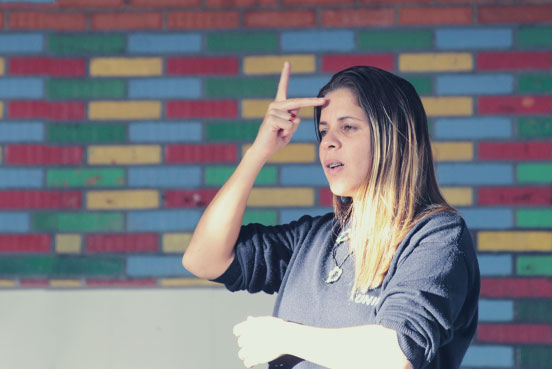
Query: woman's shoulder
{"points": [[441, 226]]}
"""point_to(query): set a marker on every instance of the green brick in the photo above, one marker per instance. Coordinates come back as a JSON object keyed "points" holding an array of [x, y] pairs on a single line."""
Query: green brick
{"points": [[60, 266], [534, 311], [86, 89], [86, 133], [231, 131], [240, 87], [94, 44], [534, 266], [392, 40], [111, 177], [259, 41], [535, 127], [216, 176], [535, 357], [423, 85], [535, 218], [266, 217], [535, 83], [78, 222], [534, 172], [535, 36]]}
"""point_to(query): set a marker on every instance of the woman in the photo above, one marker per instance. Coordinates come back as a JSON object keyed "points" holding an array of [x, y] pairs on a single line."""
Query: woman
{"points": [[389, 280]]}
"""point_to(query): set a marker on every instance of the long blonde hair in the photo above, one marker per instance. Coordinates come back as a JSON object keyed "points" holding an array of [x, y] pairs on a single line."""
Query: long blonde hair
{"points": [[401, 187]]}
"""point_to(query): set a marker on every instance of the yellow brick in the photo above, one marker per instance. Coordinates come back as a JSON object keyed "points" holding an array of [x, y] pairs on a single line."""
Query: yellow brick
{"points": [[447, 151], [270, 64], [126, 67], [176, 242], [126, 110], [129, 199], [281, 197], [514, 241], [6, 283], [188, 282], [438, 106], [256, 108], [65, 283], [2, 68], [116, 155], [458, 196], [434, 62], [68, 243], [291, 153]]}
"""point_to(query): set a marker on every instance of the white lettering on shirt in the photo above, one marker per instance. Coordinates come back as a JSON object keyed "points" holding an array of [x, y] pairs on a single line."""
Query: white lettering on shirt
{"points": [[366, 299]]}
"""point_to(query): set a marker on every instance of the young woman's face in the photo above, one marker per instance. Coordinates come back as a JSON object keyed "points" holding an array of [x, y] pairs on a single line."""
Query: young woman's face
{"points": [[344, 150]]}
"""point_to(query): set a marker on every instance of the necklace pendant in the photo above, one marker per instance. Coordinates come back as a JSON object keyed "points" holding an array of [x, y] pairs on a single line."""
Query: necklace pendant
{"points": [[334, 275]]}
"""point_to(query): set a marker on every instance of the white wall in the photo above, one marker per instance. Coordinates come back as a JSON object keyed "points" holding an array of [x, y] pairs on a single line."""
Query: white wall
{"points": [[124, 329]]}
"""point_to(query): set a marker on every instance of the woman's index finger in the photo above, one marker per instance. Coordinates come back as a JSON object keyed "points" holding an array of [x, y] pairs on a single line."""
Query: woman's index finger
{"points": [[281, 94]]}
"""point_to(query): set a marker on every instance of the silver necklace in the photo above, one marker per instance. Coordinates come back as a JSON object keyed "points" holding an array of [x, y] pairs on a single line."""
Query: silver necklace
{"points": [[337, 271]]}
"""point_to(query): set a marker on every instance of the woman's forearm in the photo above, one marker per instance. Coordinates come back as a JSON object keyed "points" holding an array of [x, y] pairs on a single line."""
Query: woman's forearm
{"points": [[211, 249]]}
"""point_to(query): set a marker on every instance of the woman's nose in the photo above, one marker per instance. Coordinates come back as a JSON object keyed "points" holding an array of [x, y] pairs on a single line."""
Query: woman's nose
{"points": [[330, 141]]}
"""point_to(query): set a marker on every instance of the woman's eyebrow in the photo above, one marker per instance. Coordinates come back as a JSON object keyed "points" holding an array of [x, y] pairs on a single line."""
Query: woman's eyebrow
{"points": [[339, 119]]}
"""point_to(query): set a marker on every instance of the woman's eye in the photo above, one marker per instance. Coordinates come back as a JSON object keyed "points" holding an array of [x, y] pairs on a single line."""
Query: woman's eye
{"points": [[348, 127], [322, 133]]}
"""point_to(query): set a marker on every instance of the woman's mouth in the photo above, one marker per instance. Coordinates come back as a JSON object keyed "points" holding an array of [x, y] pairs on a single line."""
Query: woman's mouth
{"points": [[334, 166]]}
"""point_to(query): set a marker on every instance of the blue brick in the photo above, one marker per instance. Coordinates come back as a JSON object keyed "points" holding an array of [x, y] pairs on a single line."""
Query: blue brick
{"points": [[165, 177], [496, 310], [21, 43], [495, 265], [21, 132], [473, 128], [14, 222], [165, 132], [156, 266], [489, 356], [290, 215], [143, 43], [305, 131], [21, 178], [318, 41], [474, 38], [31, 88], [303, 175], [306, 86], [474, 174], [162, 220], [475, 85], [164, 88], [488, 218]]}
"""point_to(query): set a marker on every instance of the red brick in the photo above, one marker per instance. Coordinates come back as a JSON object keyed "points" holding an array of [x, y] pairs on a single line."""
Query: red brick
{"points": [[188, 198], [203, 20], [40, 20], [130, 242], [195, 66], [516, 287], [279, 18], [47, 66], [200, 153], [70, 110], [317, 2], [127, 21], [91, 3], [28, 6], [164, 3], [515, 14], [31, 283], [40, 200], [240, 3], [514, 60], [514, 196], [326, 197], [202, 109], [413, 16], [358, 17], [514, 105], [113, 283], [1, 20], [43, 155], [19, 243], [383, 2], [514, 333], [515, 150], [335, 63]]}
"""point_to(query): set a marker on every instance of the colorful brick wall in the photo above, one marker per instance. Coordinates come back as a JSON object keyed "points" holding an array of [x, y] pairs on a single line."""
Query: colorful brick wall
{"points": [[120, 119]]}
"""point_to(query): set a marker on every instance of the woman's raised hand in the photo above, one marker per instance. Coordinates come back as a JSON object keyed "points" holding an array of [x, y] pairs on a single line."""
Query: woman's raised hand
{"points": [[281, 119]]}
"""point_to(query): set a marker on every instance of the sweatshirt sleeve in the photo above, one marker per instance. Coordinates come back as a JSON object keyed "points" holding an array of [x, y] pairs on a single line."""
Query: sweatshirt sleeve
{"points": [[425, 298]]}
